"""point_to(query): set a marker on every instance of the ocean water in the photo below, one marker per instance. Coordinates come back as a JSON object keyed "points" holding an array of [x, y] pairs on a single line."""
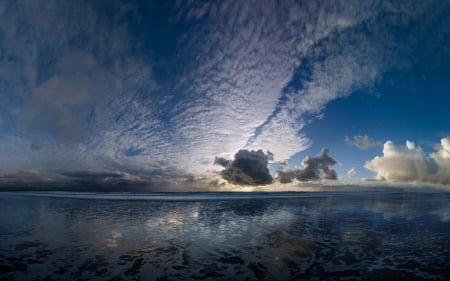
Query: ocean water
{"points": [[225, 236]]}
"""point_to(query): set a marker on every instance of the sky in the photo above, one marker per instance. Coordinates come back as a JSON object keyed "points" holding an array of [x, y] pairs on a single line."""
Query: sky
{"points": [[182, 95]]}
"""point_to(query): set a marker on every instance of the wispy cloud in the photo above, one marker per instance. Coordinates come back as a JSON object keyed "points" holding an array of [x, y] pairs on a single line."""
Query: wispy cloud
{"points": [[261, 69], [351, 172], [361, 142], [64, 102], [79, 79], [69, 81]]}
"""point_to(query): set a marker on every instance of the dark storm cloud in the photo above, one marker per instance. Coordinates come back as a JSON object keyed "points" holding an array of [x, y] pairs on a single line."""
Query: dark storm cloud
{"points": [[103, 180], [156, 180], [249, 167], [314, 168], [222, 161], [285, 176], [79, 180], [28, 180], [162, 179]]}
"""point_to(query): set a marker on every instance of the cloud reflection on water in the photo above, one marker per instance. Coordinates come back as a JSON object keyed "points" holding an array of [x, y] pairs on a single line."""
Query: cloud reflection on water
{"points": [[357, 235]]}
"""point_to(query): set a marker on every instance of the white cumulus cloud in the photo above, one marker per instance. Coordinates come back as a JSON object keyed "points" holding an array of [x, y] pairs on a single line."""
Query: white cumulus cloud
{"points": [[409, 163]]}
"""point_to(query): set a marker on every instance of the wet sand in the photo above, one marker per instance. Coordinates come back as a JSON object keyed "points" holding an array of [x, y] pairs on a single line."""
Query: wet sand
{"points": [[354, 236]]}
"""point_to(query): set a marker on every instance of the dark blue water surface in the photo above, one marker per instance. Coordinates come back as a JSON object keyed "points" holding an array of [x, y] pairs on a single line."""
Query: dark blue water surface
{"points": [[225, 236]]}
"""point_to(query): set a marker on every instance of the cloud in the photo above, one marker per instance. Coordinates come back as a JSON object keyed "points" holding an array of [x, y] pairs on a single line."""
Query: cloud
{"points": [[284, 164], [313, 169], [76, 180], [442, 159], [410, 164], [83, 180], [284, 176], [240, 75], [351, 172], [361, 142], [261, 70], [222, 161], [88, 180], [69, 76], [247, 168], [64, 102], [24, 179]]}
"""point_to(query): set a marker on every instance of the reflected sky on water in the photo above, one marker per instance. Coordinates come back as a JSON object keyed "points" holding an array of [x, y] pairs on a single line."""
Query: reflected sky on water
{"points": [[369, 236]]}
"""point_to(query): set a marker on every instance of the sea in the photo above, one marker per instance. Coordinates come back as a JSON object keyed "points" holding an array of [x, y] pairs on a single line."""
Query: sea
{"points": [[370, 235]]}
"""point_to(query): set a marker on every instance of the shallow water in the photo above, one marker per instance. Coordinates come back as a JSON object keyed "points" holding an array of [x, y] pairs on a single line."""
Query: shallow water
{"points": [[217, 236]]}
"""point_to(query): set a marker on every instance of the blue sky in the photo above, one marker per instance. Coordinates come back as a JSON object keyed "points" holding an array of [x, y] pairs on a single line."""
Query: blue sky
{"points": [[402, 106], [149, 93]]}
